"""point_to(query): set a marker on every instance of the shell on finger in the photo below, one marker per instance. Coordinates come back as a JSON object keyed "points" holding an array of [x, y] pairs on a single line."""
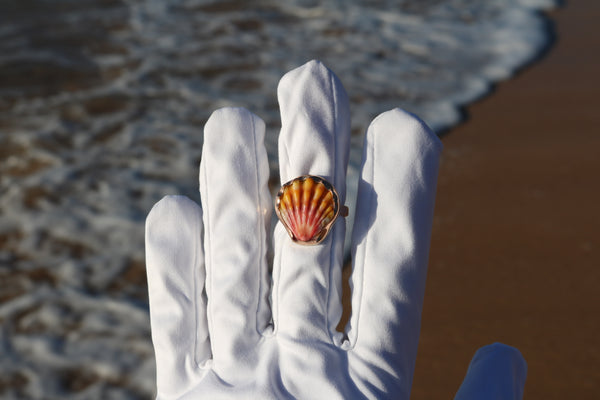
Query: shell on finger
{"points": [[307, 206]]}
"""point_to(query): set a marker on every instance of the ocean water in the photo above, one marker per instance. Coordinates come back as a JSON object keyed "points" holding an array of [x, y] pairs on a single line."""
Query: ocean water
{"points": [[102, 104]]}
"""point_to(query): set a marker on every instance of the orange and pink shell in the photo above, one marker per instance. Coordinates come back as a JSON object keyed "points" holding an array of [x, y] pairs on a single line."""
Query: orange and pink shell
{"points": [[307, 206]]}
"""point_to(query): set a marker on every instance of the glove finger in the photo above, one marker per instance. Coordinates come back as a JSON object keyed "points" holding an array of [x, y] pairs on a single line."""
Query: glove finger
{"points": [[390, 249], [497, 371], [237, 204], [175, 268], [314, 140]]}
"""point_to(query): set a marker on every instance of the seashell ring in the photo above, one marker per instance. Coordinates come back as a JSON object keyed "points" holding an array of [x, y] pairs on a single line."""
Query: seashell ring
{"points": [[307, 207]]}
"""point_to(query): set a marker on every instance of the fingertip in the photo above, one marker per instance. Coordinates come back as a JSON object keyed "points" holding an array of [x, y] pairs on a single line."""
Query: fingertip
{"points": [[508, 354], [230, 119], [173, 202], [168, 214], [405, 131], [496, 371], [312, 68]]}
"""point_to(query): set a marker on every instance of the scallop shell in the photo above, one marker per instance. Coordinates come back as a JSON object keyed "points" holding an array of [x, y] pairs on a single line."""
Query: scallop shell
{"points": [[307, 206]]}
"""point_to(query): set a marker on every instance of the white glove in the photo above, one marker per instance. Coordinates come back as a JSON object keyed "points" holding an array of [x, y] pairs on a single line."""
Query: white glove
{"points": [[216, 334], [497, 372]]}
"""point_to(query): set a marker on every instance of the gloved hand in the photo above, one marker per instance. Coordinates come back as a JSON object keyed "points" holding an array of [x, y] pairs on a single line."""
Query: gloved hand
{"points": [[217, 332]]}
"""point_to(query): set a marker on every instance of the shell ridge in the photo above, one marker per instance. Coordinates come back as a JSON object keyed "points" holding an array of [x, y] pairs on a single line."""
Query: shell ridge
{"points": [[314, 219], [317, 192], [294, 208]]}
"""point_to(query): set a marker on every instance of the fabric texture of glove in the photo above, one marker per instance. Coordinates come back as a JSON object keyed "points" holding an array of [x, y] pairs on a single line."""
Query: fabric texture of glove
{"points": [[216, 331], [497, 372]]}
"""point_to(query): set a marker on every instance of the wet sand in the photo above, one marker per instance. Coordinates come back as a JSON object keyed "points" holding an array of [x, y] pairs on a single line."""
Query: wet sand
{"points": [[515, 253]]}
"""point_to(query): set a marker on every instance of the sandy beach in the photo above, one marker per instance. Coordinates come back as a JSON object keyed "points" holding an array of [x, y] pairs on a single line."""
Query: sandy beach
{"points": [[515, 253]]}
